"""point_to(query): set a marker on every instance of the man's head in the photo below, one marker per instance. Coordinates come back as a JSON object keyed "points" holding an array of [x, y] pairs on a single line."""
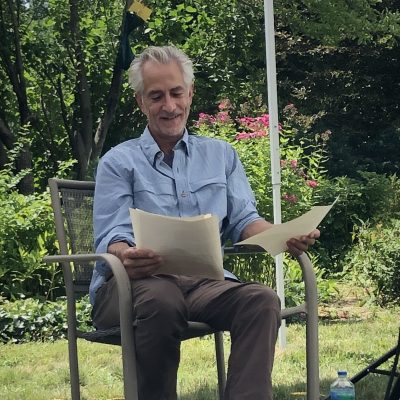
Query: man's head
{"points": [[162, 78]]}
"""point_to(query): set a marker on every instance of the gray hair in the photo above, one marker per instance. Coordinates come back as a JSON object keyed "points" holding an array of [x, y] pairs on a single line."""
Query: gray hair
{"points": [[162, 55]]}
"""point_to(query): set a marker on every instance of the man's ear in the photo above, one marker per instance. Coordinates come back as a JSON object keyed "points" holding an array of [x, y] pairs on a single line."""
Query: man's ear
{"points": [[191, 92], [139, 101]]}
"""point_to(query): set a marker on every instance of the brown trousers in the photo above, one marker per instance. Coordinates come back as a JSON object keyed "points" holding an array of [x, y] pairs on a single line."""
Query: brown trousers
{"points": [[163, 304]]}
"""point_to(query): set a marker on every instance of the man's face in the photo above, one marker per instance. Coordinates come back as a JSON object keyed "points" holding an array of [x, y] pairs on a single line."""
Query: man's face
{"points": [[165, 101]]}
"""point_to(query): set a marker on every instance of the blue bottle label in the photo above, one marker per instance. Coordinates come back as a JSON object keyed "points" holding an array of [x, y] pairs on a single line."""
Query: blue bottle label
{"points": [[342, 395]]}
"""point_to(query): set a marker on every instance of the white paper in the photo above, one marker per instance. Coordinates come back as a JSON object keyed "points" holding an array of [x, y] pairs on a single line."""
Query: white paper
{"points": [[274, 240], [189, 246]]}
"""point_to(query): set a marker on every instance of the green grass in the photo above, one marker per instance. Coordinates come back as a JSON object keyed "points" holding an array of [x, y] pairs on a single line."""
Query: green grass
{"points": [[352, 340]]}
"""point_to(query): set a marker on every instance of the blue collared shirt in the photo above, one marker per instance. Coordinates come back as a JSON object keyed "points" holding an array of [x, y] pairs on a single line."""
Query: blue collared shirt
{"points": [[206, 176]]}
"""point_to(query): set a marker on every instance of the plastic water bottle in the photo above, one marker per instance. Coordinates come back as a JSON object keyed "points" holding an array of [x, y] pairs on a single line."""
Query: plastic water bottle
{"points": [[342, 388]]}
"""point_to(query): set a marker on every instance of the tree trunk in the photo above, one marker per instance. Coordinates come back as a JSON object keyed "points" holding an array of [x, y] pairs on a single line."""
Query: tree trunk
{"points": [[15, 71], [112, 102], [83, 133]]}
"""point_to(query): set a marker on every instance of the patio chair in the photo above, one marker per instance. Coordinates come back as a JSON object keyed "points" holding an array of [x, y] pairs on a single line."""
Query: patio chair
{"points": [[72, 203]]}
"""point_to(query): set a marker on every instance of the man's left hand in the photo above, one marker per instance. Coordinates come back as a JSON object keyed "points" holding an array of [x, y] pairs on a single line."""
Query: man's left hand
{"points": [[297, 246]]}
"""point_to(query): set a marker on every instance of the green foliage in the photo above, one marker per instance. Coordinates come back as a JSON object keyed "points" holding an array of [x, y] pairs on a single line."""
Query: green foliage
{"points": [[26, 235], [339, 57], [335, 21], [375, 259], [32, 320], [371, 197], [294, 285]]}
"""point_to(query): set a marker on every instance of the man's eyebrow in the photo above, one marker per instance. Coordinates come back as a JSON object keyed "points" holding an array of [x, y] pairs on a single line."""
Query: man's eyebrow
{"points": [[177, 89], [154, 92], [158, 92]]}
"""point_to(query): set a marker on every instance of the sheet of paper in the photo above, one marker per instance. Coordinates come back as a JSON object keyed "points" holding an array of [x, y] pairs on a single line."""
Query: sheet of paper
{"points": [[274, 239], [189, 246]]}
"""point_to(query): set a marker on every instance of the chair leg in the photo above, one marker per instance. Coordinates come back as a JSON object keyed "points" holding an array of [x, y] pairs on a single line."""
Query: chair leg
{"points": [[219, 352], [312, 355], [73, 367]]}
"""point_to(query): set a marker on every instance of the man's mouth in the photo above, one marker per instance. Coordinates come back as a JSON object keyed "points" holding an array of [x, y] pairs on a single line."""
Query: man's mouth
{"points": [[170, 117]]}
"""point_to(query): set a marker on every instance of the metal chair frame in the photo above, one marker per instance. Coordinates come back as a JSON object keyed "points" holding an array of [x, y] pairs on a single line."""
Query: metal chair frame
{"points": [[124, 334]]}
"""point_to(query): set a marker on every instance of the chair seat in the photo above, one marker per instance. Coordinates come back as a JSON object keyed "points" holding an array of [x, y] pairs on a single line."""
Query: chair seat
{"points": [[113, 335]]}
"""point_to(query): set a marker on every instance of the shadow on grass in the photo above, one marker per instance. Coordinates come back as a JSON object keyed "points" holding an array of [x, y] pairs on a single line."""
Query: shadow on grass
{"points": [[372, 387]]}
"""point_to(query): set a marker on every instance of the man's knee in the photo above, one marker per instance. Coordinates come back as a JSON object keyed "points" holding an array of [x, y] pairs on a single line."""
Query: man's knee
{"points": [[162, 308], [261, 297]]}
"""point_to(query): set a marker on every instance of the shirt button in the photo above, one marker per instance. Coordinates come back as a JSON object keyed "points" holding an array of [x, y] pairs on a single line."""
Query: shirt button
{"points": [[183, 194]]}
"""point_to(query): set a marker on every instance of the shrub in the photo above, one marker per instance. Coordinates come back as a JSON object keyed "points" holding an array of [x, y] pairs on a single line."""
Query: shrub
{"points": [[302, 165], [375, 259], [31, 320], [371, 197], [302, 171], [26, 235]]}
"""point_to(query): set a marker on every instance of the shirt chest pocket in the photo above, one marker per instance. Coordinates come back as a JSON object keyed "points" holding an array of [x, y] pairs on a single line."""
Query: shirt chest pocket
{"points": [[159, 198], [211, 195]]}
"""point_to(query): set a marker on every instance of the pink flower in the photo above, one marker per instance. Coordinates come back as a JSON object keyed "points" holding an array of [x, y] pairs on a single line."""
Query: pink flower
{"points": [[264, 119], [223, 116], [290, 198], [293, 164], [224, 105], [205, 119], [242, 135], [312, 184]]}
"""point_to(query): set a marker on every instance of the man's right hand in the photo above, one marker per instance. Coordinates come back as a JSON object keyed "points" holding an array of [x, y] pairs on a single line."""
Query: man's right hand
{"points": [[139, 263]]}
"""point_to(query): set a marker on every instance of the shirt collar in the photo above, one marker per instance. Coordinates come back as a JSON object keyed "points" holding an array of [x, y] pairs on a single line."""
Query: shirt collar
{"points": [[150, 147]]}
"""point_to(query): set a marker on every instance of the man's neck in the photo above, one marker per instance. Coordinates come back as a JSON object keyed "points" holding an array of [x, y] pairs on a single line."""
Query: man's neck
{"points": [[166, 146]]}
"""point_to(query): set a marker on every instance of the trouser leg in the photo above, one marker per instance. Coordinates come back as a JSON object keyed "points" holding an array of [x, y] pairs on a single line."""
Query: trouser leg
{"points": [[160, 315], [251, 312]]}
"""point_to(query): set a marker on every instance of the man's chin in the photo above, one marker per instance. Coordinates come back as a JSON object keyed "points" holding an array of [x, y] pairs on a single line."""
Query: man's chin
{"points": [[173, 131]]}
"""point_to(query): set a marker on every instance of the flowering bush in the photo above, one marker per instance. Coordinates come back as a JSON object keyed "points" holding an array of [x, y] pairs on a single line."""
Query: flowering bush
{"points": [[302, 171], [302, 164]]}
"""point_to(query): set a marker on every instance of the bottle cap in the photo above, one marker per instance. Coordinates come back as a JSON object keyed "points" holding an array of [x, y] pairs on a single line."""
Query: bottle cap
{"points": [[342, 373]]}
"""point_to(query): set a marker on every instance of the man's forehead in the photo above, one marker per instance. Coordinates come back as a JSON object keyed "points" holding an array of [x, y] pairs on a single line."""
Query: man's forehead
{"points": [[162, 78]]}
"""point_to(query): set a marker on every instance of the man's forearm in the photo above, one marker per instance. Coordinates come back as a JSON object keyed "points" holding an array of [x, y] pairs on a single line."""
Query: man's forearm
{"points": [[257, 226]]}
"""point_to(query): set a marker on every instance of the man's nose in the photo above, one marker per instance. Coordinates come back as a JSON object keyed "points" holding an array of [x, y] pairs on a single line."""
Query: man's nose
{"points": [[169, 103]]}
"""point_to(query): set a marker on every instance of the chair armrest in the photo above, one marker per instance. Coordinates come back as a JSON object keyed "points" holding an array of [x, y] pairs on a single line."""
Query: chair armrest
{"points": [[308, 275], [125, 310], [237, 250], [123, 287], [120, 274], [310, 283]]}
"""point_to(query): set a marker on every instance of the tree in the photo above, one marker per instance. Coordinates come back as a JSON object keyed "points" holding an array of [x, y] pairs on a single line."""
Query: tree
{"points": [[60, 61], [13, 67]]}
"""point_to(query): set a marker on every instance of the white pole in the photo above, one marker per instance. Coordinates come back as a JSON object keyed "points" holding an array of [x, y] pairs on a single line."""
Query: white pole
{"points": [[274, 141]]}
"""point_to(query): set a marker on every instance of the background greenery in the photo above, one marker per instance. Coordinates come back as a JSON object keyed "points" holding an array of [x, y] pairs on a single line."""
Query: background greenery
{"points": [[64, 101]]}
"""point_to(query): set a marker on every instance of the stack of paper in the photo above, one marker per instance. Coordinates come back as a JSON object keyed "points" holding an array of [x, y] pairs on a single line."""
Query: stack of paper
{"points": [[189, 246]]}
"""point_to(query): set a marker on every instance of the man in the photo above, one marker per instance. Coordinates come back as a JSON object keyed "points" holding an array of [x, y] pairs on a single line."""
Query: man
{"points": [[168, 172]]}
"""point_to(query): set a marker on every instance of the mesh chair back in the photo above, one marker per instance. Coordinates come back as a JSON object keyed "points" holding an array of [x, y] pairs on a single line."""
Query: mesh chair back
{"points": [[77, 206], [73, 209]]}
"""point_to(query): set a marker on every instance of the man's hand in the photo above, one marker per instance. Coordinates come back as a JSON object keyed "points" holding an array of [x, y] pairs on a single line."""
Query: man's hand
{"points": [[139, 263], [297, 246]]}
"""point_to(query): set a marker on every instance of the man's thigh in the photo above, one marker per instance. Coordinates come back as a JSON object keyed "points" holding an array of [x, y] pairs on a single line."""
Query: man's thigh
{"points": [[153, 293], [218, 303]]}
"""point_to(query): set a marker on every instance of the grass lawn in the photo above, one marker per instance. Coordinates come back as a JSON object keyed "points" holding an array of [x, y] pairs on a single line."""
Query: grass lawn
{"points": [[350, 339]]}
